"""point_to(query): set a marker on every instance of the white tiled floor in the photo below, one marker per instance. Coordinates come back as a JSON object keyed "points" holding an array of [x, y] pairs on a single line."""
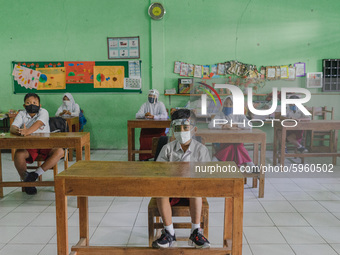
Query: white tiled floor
{"points": [[296, 216]]}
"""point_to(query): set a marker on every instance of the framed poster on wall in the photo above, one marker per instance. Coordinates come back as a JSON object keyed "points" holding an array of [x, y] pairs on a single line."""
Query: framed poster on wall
{"points": [[123, 47]]}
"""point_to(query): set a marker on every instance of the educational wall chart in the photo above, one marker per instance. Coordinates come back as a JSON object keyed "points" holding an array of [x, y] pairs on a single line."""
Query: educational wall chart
{"points": [[79, 72], [51, 78], [123, 47], [108, 77], [77, 76]]}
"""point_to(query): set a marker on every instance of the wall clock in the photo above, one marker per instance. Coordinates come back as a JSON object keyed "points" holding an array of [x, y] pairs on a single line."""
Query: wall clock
{"points": [[156, 11]]}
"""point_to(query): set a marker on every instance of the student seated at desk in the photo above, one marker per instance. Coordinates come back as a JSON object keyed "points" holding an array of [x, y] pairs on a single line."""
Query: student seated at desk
{"points": [[69, 108], [184, 148], [294, 136], [231, 151], [153, 109], [33, 119]]}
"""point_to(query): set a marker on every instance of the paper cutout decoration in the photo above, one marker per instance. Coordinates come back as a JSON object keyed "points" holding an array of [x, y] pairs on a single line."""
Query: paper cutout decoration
{"points": [[270, 72], [177, 67], [184, 69], [108, 77], [52, 78], [26, 77], [300, 69], [190, 70], [79, 72], [291, 73], [198, 71], [206, 71], [284, 72]]}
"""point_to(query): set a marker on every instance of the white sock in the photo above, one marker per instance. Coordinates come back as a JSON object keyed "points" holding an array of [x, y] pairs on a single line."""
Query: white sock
{"points": [[194, 226], [170, 229], [39, 171]]}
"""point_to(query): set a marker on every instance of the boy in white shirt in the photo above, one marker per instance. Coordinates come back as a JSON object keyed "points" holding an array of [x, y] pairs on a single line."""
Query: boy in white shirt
{"points": [[33, 120], [186, 149]]}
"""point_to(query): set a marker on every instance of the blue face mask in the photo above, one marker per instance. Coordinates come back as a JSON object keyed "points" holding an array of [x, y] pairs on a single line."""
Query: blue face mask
{"points": [[293, 108], [227, 110]]}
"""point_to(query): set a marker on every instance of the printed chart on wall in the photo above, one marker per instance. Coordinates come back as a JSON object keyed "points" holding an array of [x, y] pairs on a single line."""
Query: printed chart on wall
{"points": [[77, 76]]}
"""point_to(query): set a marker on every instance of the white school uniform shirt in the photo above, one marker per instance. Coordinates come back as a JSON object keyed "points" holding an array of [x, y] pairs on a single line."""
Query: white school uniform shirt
{"points": [[173, 151], [157, 109], [24, 118], [295, 115], [231, 117], [75, 110]]}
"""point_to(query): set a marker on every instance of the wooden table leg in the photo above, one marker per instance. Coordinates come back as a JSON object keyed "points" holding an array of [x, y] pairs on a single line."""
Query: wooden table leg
{"points": [[237, 218], [83, 219], [256, 162], [275, 146], [335, 145], [228, 220], [1, 188], [79, 152], [61, 215], [131, 143], [70, 154], [283, 146], [263, 162], [87, 151]]}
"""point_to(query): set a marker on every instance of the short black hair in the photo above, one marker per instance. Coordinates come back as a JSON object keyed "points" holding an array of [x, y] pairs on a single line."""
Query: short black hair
{"points": [[184, 114], [28, 95]]}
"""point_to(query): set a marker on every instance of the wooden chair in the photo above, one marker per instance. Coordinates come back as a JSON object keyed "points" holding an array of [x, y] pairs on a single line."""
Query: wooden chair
{"points": [[322, 113], [154, 222]]}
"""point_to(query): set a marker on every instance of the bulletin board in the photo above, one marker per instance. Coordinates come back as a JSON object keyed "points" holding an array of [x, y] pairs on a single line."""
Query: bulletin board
{"points": [[81, 76]]}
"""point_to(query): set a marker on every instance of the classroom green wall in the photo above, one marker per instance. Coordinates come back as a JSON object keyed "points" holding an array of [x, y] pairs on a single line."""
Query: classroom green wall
{"points": [[259, 32]]}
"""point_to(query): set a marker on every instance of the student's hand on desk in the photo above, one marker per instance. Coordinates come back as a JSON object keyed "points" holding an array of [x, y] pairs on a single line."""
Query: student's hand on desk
{"points": [[15, 130], [229, 127], [68, 112], [23, 131], [149, 117]]}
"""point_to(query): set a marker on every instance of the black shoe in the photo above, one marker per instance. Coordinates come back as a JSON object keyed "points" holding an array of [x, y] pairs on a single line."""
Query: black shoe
{"points": [[165, 241], [31, 177], [302, 149], [198, 240], [31, 190]]}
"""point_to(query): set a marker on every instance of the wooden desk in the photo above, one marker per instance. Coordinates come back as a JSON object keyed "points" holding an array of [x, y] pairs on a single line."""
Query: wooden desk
{"points": [[314, 125], [254, 136], [43, 141], [73, 125], [147, 179], [142, 123]]}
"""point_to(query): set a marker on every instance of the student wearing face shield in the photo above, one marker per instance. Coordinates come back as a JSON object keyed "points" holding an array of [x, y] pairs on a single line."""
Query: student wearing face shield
{"points": [[152, 109], [294, 136], [69, 108], [231, 151], [186, 149]]}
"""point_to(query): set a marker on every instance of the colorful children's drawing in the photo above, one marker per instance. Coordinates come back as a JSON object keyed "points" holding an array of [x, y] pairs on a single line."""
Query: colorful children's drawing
{"points": [[108, 77], [79, 72], [52, 78], [26, 77]]}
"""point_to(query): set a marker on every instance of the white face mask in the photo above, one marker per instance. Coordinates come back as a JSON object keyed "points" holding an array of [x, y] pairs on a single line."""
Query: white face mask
{"points": [[183, 137], [67, 104]]}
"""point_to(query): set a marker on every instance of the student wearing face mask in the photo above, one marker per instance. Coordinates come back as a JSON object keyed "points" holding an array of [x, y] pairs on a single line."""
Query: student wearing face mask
{"points": [[69, 108], [231, 151], [33, 119], [186, 149], [294, 136], [152, 109]]}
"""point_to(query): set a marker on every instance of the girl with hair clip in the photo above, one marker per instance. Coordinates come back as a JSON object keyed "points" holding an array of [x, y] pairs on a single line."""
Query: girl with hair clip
{"points": [[231, 151]]}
